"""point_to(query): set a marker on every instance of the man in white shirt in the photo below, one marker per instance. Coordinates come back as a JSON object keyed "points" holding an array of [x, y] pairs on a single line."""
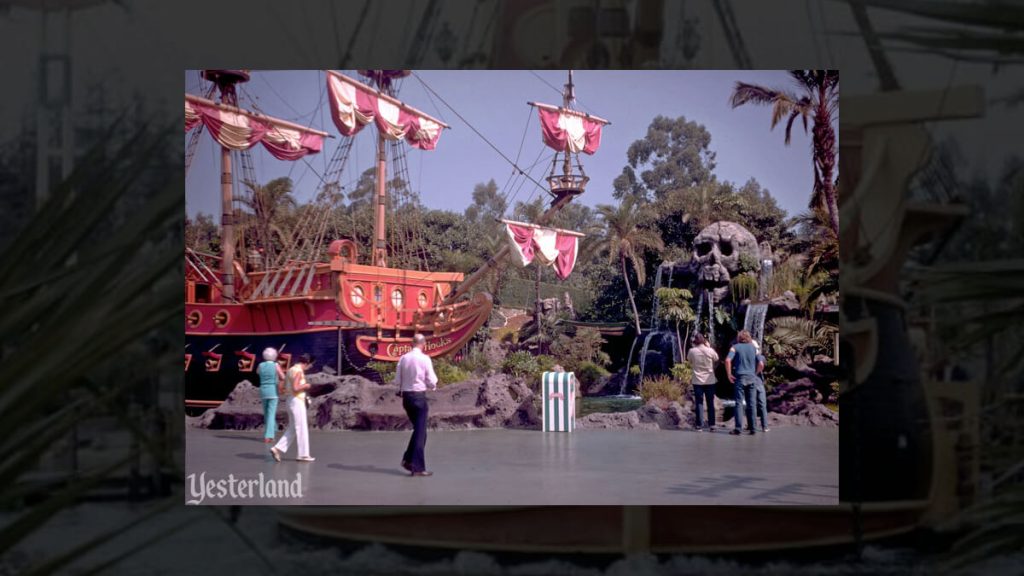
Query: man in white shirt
{"points": [[414, 376], [702, 359]]}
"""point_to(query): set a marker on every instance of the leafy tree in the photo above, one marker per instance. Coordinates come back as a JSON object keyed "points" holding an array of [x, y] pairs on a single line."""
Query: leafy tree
{"points": [[202, 234], [819, 101], [582, 348], [674, 306], [487, 204], [267, 204], [361, 195], [626, 239], [674, 154]]}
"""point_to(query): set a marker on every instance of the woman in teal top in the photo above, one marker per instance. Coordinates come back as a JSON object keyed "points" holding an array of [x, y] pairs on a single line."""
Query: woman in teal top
{"points": [[271, 381]]}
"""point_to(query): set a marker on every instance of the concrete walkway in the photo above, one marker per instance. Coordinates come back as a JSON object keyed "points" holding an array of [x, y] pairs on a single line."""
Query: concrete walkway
{"points": [[795, 465]]}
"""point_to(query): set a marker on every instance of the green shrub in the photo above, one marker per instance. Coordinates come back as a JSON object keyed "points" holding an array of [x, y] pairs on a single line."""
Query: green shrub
{"points": [[683, 374], [589, 374], [474, 361], [748, 263], [742, 287], [545, 363], [521, 364], [386, 370], [448, 373], [584, 346], [634, 370], [660, 389]]}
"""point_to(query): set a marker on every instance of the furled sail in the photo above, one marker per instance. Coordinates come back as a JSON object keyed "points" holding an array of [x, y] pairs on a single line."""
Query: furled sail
{"points": [[238, 129], [354, 105], [550, 246], [567, 130]]}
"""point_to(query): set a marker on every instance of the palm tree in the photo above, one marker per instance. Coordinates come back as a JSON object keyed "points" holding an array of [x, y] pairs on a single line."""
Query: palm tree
{"points": [[674, 306], [626, 239], [268, 203], [819, 101]]}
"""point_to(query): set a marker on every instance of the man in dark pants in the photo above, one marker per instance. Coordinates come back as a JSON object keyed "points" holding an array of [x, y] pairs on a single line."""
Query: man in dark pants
{"points": [[414, 376], [743, 356]]}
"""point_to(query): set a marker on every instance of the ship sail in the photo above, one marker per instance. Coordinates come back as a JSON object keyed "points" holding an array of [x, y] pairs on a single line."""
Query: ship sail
{"points": [[238, 129], [567, 130], [354, 105]]}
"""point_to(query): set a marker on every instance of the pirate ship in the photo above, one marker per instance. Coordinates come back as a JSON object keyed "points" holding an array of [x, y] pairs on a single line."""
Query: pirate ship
{"points": [[339, 301]]}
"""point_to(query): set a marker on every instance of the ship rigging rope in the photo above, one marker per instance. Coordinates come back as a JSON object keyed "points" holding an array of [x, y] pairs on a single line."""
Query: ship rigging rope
{"points": [[536, 162], [505, 189], [478, 133]]}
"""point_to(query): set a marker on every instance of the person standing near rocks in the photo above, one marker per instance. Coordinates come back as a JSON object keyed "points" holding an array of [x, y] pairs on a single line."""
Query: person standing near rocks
{"points": [[271, 384], [759, 390], [702, 358], [743, 356], [298, 425], [414, 376]]}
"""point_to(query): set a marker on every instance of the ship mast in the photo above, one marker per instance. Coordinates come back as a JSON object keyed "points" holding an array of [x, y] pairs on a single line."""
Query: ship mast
{"points": [[380, 251], [562, 187], [225, 81]]}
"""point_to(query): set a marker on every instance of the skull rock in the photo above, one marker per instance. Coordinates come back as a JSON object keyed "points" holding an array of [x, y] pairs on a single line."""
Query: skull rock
{"points": [[716, 256]]}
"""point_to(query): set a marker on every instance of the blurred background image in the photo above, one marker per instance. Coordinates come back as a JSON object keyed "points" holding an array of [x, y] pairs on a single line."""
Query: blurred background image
{"points": [[928, 194]]}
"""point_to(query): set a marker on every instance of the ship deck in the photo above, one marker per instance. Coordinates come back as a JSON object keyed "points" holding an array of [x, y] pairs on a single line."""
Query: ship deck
{"points": [[786, 466]]}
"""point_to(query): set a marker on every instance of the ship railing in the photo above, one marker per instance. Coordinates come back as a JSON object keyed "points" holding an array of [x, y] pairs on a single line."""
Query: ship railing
{"points": [[197, 263], [292, 279], [567, 184]]}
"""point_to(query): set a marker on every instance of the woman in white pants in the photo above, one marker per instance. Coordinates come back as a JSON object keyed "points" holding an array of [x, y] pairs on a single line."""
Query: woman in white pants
{"points": [[298, 426]]}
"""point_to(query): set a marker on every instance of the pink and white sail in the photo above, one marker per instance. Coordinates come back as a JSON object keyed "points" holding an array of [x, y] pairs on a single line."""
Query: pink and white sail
{"points": [[238, 129], [550, 246], [354, 105], [567, 130]]}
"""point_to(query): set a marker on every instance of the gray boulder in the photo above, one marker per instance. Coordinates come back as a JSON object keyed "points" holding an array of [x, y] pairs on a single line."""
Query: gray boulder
{"points": [[353, 402]]}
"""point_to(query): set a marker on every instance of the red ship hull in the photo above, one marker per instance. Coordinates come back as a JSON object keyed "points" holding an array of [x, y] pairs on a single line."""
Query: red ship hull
{"points": [[344, 314]]}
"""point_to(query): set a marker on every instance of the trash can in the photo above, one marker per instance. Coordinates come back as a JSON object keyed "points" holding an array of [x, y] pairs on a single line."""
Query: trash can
{"points": [[558, 401]]}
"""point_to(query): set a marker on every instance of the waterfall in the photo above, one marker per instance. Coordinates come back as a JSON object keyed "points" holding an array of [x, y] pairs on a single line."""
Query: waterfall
{"points": [[764, 281], [643, 354], [711, 320], [655, 318], [754, 321], [629, 364], [657, 326]]}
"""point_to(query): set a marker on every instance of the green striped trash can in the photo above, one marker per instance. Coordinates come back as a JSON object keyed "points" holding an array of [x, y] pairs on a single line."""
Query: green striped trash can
{"points": [[559, 401]]}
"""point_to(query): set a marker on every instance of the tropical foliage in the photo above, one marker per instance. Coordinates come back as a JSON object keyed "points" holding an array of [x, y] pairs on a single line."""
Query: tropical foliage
{"points": [[674, 307], [817, 101], [583, 347], [626, 238], [661, 390]]}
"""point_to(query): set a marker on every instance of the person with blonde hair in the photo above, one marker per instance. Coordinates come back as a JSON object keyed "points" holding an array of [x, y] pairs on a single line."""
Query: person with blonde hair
{"points": [[271, 383], [298, 425]]}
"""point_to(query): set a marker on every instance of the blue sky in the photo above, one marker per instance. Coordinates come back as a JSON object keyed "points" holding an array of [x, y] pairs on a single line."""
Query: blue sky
{"points": [[494, 102]]}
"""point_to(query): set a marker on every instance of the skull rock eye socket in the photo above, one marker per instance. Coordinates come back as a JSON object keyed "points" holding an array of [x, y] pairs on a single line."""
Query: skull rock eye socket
{"points": [[725, 247], [703, 248]]}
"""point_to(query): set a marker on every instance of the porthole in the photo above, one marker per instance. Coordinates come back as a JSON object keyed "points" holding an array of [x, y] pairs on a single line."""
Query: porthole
{"points": [[422, 299], [357, 296], [396, 299], [194, 318]]}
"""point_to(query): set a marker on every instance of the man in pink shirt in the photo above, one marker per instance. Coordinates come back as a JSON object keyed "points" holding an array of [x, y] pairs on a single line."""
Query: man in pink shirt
{"points": [[414, 376]]}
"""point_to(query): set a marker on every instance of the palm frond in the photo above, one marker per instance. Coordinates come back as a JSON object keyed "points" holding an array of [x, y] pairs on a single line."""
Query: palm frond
{"points": [[750, 93]]}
